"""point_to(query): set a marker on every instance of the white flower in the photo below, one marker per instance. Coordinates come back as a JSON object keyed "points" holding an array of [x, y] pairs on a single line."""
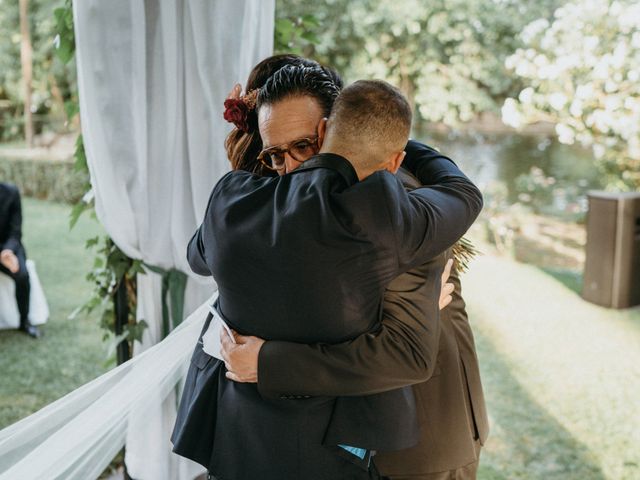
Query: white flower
{"points": [[557, 100], [526, 95], [584, 91], [612, 103], [565, 134], [576, 108], [510, 114], [634, 148], [590, 43], [598, 150], [533, 29]]}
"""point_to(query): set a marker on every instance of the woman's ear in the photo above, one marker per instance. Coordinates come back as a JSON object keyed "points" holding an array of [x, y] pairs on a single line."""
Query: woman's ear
{"points": [[322, 130], [394, 163]]}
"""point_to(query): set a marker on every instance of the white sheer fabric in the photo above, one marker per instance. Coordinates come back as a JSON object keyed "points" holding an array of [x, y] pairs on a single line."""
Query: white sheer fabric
{"points": [[152, 78], [38, 306], [75, 437]]}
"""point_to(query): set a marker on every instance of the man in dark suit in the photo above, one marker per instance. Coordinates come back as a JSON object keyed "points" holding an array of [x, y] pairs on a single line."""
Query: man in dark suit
{"points": [[449, 397], [413, 345], [351, 239], [12, 254]]}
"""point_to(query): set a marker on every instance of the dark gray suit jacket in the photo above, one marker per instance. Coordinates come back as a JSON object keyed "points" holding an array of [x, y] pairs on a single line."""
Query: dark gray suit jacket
{"points": [[306, 257]]}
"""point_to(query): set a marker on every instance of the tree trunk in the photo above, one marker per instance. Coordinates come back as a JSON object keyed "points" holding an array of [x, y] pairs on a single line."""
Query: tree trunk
{"points": [[25, 57]]}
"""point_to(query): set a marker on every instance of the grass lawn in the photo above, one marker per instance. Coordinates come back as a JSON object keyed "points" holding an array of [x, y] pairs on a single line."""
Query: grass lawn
{"points": [[561, 376], [71, 352]]}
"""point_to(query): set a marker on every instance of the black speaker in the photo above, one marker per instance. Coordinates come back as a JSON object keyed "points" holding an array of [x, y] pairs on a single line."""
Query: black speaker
{"points": [[612, 267]]}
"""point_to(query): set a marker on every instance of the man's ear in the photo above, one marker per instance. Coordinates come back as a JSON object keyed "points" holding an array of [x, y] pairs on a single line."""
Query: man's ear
{"points": [[394, 163], [322, 130]]}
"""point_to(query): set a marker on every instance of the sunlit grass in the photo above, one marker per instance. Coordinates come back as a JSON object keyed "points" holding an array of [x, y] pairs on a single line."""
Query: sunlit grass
{"points": [[561, 376]]}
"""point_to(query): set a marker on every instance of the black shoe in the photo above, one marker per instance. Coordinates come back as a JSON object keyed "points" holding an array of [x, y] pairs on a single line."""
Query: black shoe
{"points": [[30, 330]]}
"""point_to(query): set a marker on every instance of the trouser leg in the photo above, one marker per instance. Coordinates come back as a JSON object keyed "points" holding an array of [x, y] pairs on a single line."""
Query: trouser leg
{"points": [[468, 472]]}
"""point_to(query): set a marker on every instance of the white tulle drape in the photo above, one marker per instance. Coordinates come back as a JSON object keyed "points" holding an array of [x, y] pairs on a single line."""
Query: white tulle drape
{"points": [[76, 436], [152, 79]]}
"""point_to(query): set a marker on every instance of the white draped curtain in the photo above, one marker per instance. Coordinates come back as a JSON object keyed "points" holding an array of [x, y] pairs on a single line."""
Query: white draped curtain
{"points": [[152, 77], [77, 436]]}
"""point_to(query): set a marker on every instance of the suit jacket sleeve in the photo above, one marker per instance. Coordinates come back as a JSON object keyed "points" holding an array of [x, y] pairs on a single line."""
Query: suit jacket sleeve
{"points": [[196, 251], [14, 237], [424, 162], [402, 352], [196, 254], [430, 219]]}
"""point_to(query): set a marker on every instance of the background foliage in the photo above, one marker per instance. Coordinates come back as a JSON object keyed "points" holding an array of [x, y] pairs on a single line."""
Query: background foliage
{"points": [[581, 69], [447, 56], [54, 83]]}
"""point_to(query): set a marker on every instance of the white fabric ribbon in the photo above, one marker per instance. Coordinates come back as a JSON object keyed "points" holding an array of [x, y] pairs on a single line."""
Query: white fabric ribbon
{"points": [[211, 338], [77, 436]]}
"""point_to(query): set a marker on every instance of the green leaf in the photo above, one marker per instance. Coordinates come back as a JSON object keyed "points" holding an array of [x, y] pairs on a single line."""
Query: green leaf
{"points": [[284, 27], [311, 37], [310, 20], [71, 108], [80, 164], [65, 50], [137, 268], [91, 242], [76, 211], [155, 269], [137, 330], [177, 286], [110, 362]]}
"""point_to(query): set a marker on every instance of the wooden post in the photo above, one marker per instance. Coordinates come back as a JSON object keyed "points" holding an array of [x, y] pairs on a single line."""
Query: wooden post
{"points": [[121, 310], [25, 58], [123, 352]]}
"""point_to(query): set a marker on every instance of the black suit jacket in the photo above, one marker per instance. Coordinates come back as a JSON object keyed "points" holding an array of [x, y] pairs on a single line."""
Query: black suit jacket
{"points": [[413, 346], [306, 257], [10, 218]]}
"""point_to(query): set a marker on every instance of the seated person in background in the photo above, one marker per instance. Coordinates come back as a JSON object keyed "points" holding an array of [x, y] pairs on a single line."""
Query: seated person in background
{"points": [[12, 254]]}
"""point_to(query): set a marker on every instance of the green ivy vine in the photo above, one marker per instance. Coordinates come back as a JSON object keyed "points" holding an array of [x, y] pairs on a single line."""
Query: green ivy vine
{"points": [[112, 268]]}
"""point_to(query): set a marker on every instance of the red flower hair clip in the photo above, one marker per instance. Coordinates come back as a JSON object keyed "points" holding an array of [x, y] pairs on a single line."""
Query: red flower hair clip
{"points": [[237, 110]]}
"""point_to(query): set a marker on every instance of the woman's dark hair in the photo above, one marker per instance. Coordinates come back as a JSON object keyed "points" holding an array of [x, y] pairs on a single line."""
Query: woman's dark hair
{"points": [[243, 147]]}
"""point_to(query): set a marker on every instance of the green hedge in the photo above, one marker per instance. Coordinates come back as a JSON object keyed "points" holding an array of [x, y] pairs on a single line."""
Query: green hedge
{"points": [[44, 179]]}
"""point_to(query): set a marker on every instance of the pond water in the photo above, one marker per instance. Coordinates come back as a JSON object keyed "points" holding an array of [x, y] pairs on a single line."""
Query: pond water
{"points": [[557, 185]]}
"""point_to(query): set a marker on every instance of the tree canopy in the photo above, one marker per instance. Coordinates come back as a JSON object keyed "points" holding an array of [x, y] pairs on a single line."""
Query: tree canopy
{"points": [[582, 71], [448, 56]]}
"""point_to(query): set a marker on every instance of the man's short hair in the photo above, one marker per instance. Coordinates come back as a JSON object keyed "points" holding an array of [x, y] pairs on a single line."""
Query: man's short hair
{"points": [[372, 116]]}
